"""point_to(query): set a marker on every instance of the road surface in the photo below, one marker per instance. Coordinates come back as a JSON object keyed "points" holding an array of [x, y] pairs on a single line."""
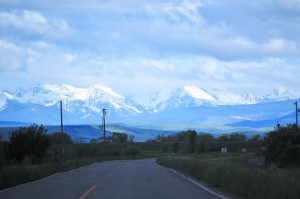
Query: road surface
{"points": [[129, 179]]}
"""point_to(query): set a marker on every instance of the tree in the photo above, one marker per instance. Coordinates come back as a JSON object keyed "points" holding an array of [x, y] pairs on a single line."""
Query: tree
{"points": [[237, 137], [202, 139], [32, 142], [175, 147], [206, 137], [60, 138], [192, 141], [183, 136], [224, 138], [283, 146], [93, 141], [131, 138], [118, 138], [1, 152], [255, 138], [161, 138]]}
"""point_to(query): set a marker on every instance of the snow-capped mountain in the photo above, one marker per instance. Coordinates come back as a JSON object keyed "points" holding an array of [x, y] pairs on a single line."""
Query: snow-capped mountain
{"points": [[283, 94], [192, 96], [225, 98], [78, 103], [93, 97], [40, 104], [188, 96]]}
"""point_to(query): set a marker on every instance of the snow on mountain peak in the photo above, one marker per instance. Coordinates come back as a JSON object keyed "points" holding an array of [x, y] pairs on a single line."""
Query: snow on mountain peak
{"points": [[108, 90], [283, 94], [197, 93], [64, 91], [9, 96], [91, 100]]}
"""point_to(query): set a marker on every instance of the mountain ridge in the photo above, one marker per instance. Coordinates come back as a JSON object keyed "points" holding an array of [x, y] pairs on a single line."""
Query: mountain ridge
{"points": [[189, 104]]}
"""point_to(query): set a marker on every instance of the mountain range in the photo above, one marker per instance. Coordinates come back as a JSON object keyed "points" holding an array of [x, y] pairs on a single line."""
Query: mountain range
{"points": [[186, 107]]}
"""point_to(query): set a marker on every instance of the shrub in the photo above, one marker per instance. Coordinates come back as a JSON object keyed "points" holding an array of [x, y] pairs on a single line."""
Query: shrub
{"points": [[60, 138], [116, 153], [132, 151], [175, 147], [282, 146], [1, 152], [28, 141]]}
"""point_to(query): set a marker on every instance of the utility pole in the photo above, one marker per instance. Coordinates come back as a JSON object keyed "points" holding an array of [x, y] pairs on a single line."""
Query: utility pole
{"points": [[62, 130], [103, 124], [297, 110]]}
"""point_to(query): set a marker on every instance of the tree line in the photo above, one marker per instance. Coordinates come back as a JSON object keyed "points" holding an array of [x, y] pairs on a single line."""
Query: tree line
{"points": [[184, 136], [281, 146], [32, 143], [115, 138]]}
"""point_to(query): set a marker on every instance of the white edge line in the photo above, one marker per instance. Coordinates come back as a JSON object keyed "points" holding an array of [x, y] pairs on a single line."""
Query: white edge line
{"points": [[195, 183], [200, 185]]}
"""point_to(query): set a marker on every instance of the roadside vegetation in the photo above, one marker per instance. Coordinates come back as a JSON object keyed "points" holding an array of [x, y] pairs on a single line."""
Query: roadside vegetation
{"points": [[250, 169], [256, 167]]}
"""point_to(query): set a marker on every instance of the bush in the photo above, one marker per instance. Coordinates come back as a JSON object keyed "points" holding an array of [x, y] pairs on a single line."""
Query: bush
{"points": [[282, 146], [28, 141], [132, 151], [60, 138], [175, 147], [116, 153], [1, 152]]}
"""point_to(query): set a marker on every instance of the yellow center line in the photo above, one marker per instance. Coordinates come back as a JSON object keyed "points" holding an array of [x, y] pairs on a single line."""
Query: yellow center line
{"points": [[85, 194]]}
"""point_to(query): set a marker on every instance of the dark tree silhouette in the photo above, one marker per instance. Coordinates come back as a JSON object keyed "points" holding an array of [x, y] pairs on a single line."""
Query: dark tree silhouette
{"points": [[60, 138], [32, 142], [283, 146], [192, 141]]}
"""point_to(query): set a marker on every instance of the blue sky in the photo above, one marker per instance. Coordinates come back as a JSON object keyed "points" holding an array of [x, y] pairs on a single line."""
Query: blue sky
{"points": [[137, 47]]}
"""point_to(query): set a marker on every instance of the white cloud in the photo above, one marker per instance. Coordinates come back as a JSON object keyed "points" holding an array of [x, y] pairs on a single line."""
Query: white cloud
{"points": [[32, 22], [142, 45], [29, 21], [70, 57], [12, 57], [280, 45]]}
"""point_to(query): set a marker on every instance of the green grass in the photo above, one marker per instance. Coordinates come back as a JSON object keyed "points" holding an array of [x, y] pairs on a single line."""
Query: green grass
{"points": [[235, 175]]}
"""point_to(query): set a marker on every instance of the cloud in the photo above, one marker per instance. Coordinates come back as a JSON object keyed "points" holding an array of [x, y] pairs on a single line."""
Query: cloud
{"points": [[12, 57], [280, 45], [33, 23], [142, 45], [159, 28]]}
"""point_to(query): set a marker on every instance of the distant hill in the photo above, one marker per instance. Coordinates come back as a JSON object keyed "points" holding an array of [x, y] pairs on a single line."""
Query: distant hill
{"points": [[84, 133], [13, 124], [288, 119]]}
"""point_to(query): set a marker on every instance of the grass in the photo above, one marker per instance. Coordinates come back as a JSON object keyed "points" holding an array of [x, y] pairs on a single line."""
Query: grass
{"points": [[235, 175]]}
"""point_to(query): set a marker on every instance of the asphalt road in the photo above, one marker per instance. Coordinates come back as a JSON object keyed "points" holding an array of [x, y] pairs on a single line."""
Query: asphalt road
{"points": [[130, 179]]}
